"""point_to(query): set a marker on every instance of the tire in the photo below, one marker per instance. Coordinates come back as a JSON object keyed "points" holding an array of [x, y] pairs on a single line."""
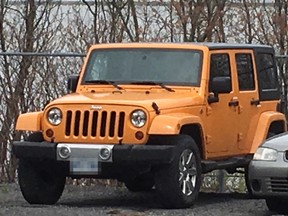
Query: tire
{"points": [[277, 204], [35, 137], [139, 184], [41, 182], [178, 183], [247, 182]]}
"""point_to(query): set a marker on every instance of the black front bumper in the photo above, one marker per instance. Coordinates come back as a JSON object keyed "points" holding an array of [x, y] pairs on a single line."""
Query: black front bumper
{"points": [[148, 154], [26, 149]]}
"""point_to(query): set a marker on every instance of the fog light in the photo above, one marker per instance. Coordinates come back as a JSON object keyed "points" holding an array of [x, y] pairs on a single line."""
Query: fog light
{"points": [[105, 153], [64, 152], [256, 186], [49, 133], [139, 135]]}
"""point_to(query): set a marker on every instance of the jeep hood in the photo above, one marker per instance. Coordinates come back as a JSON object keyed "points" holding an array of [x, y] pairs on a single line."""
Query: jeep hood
{"points": [[164, 100]]}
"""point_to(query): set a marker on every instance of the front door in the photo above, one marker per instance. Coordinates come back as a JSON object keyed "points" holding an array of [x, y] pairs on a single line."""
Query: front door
{"points": [[222, 116]]}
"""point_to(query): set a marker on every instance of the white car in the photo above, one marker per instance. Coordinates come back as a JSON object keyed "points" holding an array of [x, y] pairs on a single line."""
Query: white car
{"points": [[268, 173]]}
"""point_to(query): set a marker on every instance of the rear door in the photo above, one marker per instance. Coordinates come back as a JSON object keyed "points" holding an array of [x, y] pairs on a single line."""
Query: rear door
{"points": [[246, 90]]}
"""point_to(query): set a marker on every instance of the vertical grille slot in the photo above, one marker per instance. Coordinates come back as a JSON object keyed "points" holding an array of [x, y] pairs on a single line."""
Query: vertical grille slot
{"points": [[103, 124], [112, 124], [85, 123], [77, 123], [68, 123], [121, 124], [94, 124]]}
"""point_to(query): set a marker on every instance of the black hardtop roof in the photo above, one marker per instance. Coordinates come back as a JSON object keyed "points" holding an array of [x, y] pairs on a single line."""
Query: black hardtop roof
{"points": [[213, 46], [259, 48], [209, 45]]}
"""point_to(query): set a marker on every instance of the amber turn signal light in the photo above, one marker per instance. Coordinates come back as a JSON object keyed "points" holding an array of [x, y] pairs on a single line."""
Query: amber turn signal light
{"points": [[49, 133], [139, 135]]}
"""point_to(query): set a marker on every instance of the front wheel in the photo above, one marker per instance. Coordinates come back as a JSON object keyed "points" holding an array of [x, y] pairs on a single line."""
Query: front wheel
{"points": [[41, 182], [178, 183]]}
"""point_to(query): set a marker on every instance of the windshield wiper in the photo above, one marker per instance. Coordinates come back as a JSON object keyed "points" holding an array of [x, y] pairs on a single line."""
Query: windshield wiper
{"points": [[104, 82], [153, 83]]}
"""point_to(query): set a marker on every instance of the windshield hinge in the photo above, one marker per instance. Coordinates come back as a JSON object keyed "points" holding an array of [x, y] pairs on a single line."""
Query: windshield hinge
{"points": [[156, 108]]}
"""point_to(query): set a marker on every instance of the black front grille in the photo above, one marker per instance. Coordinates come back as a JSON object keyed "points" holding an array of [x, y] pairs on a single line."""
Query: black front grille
{"points": [[94, 123], [279, 184]]}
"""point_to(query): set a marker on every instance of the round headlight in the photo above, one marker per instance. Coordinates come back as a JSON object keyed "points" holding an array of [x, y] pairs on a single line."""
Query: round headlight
{"points": [[138, 118], [54, 116]]}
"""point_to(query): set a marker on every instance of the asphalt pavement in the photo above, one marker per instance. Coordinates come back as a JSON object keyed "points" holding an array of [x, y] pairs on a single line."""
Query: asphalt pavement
{"points": [[118, 201]]}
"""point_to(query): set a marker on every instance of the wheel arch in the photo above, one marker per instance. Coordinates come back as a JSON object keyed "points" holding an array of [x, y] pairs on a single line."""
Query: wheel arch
{"points": [[195, 131], [171, 124], [179, 123], [277, 127], [269, 122]]}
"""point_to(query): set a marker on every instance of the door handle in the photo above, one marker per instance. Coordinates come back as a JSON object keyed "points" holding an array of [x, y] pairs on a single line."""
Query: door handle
{"points": [[234, 103], [255, 102]]}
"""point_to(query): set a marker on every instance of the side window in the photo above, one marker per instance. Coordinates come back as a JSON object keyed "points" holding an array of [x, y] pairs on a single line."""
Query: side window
{"points": [[219, 67], [267, 72], [245, 72]]}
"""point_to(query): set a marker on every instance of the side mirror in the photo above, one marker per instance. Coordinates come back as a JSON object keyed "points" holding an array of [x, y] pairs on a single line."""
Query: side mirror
{"points": [[72, 82], [219, 85]]}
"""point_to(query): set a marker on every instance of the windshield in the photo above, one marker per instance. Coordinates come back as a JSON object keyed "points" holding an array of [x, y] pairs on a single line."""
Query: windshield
{"points": [[178, 67]]}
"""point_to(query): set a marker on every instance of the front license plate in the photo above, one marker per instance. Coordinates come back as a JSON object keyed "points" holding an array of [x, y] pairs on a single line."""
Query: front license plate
{"points": [[84, 166]]}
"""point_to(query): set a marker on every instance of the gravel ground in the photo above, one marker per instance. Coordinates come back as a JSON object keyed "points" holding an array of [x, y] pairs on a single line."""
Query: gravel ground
{"points": [[118, 201]]}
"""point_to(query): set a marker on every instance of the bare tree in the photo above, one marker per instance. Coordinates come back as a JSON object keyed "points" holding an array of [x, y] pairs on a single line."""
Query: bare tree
{"points": [[280, 29], [266, 24], [31, 29], [200, 19]]}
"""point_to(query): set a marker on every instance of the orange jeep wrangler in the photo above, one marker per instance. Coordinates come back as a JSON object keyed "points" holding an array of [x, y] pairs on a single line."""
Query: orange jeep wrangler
{"points": [[153, 114]]}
